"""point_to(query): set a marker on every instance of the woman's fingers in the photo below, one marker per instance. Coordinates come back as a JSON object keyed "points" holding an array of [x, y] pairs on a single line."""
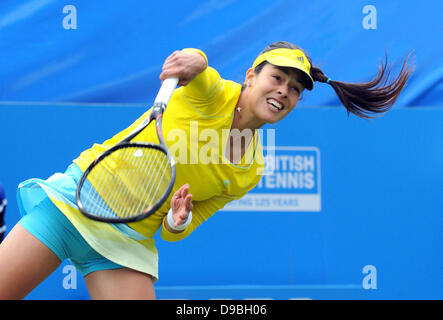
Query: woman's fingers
{"points": [[188, 202], [180, 198], [182, 206], [184, 190], [183, 65], [173, 66]]}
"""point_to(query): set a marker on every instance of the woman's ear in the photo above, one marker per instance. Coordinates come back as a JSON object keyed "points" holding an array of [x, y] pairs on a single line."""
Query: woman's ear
{"points": [[250, 77]]}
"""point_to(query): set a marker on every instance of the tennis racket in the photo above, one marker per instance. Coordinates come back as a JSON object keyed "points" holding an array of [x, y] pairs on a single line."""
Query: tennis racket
{"points": [[131, 180]]}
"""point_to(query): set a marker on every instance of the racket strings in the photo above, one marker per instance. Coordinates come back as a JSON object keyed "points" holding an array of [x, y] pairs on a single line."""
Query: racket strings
{"points": [[122, 193], [126, 183], [146, 184]]}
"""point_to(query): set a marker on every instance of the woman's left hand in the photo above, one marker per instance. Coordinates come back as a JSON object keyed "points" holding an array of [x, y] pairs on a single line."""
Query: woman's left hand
{"points": [[181, 204]]}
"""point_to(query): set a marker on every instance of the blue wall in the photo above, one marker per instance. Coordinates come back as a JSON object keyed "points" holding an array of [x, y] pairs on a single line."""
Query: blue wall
{"points": [[116, 51], [379, 185]]}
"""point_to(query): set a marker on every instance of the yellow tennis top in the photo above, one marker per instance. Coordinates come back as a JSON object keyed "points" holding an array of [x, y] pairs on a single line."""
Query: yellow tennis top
{"points": [[196, 125]]}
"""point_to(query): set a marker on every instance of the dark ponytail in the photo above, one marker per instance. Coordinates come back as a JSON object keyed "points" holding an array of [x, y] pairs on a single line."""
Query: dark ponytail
{"points": [[368, 99]]}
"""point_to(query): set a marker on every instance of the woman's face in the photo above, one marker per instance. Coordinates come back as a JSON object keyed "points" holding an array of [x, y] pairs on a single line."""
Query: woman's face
{"points": [[273, 93]]}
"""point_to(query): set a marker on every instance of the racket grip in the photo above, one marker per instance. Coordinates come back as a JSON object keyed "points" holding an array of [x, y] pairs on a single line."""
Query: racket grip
{"points": [[166, 90]]}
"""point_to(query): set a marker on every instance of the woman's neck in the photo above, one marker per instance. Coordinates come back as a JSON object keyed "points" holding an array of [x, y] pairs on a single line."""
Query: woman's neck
{"points": [[242, 131], [244, 118]]}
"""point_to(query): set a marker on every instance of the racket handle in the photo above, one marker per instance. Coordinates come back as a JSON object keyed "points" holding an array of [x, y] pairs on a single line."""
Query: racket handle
{"points": [[166, 90]]}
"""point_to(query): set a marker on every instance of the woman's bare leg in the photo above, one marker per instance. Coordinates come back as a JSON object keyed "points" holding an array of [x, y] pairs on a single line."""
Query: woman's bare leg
{"points": [[24, 262], [120, 284]]}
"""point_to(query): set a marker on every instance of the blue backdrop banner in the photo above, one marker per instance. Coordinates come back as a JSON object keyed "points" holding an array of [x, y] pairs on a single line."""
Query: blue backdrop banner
{"points": [[112, 51]]}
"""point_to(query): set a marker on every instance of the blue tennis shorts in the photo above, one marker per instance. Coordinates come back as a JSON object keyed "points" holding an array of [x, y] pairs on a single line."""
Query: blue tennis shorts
{"points": [[48, 224]]}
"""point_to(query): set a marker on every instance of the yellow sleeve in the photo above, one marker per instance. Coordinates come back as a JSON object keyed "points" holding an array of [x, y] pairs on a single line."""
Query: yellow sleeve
{"points": [[206, 86], [200, 213]]}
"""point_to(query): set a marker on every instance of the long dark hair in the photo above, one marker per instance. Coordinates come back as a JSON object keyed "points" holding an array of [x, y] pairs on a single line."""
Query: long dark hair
{"points": [[367, 99]]}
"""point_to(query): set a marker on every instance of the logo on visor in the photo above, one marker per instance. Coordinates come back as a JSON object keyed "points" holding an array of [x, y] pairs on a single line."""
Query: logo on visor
{"points": [[301, 59]]}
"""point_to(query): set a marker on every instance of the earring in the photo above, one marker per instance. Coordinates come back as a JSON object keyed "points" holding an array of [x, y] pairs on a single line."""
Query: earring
{"points": [[248, 84], [238, 109]]}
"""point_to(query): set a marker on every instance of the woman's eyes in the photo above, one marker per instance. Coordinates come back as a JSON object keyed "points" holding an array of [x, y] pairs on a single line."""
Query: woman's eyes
{"points": [[278, 78]]}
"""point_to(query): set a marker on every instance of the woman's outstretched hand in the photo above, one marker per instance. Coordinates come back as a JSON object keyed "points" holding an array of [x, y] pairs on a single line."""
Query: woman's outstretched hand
{"points": [[181, 204], [184, 65]]}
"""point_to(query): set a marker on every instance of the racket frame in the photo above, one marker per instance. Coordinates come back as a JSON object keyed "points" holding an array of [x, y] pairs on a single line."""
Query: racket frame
{"points": [[143, 214], [159, 107]]}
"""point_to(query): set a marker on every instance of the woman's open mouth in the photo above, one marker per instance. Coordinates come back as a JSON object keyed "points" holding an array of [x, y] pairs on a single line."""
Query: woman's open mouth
{"points": [[274, 105]]}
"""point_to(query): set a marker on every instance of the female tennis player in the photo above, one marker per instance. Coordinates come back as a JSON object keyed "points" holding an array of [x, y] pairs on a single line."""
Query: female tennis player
{"points": [[119, 261]]}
